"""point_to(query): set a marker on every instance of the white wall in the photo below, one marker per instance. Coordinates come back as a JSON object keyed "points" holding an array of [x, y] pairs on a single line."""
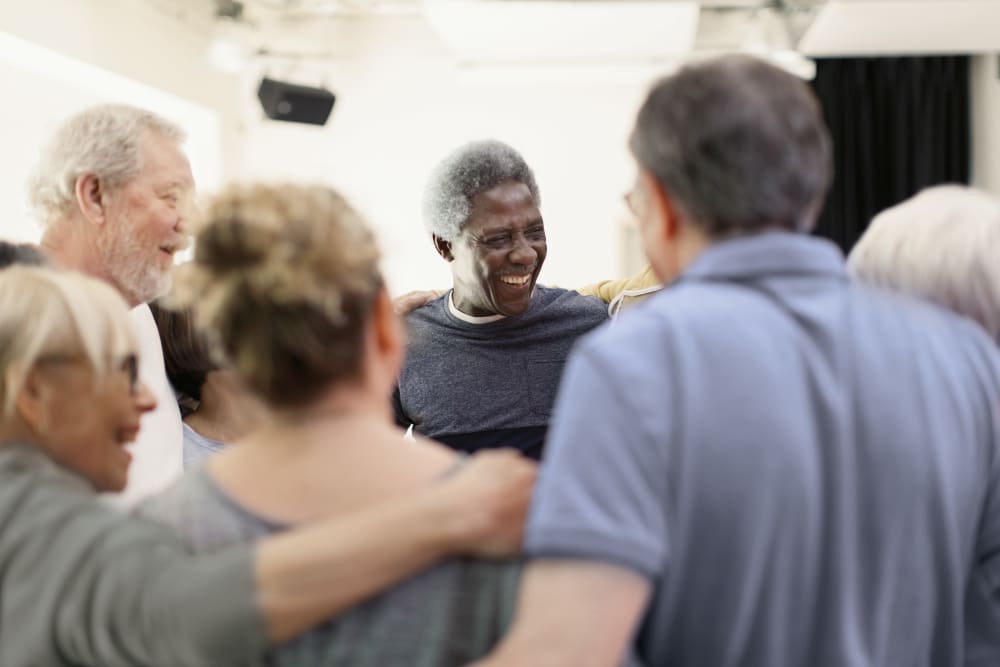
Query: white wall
{"points": [[402, 104], [48, 87], [985, 82], [60, 56]]}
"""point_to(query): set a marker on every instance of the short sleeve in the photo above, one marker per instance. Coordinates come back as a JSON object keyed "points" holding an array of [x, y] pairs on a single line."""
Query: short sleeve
{"points": [[602, 489]]}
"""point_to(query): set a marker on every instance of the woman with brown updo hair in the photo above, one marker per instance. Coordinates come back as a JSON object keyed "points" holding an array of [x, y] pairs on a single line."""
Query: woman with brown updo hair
{"points": [[285, 279]]}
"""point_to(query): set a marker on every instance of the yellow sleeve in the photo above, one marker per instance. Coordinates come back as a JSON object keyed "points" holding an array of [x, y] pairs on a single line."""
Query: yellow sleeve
{"points": [[606, 290]]}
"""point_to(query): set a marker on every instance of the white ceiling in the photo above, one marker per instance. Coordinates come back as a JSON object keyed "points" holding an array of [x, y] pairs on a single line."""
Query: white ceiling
{"points": [[546, 31]]}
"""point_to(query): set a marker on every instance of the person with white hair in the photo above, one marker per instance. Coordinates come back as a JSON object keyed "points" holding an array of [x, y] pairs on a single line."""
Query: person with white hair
{"points": [[113, 191], [483, 361], [940, 245], [84, 584]]}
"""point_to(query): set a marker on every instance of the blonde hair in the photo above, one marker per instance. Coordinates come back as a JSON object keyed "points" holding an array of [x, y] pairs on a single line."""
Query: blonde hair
{"points": [[45, 312], [940, 245], [284, 278], [104, 140]]}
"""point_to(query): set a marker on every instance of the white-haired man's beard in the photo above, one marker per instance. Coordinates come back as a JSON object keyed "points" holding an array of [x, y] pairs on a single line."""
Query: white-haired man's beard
{"points": [[132, 265]]}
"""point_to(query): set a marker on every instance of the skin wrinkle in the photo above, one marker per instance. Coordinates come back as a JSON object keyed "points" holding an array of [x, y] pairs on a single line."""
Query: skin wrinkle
{"points": [[505, 236], [153, 205]]}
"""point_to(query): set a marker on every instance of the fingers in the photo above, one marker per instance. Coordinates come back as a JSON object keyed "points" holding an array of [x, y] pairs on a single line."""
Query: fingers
{"points": [[410, 301], [496, 492]]}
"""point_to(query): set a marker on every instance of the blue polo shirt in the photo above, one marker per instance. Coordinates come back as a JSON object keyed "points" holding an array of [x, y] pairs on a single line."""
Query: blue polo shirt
{"points": [[806, 469]]}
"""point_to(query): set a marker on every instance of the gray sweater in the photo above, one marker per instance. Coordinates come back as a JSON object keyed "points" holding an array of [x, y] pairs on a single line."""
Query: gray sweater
{"points": [[81, 584], [476, 386], [446, 616]]}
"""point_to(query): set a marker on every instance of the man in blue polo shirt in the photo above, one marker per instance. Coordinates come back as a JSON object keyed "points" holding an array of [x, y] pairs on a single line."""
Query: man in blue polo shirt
{"points": [[765, 464]]}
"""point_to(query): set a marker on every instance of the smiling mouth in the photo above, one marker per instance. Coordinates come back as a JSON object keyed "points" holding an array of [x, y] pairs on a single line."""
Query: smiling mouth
{"points": [[516, 281], [127, 435], [174, 247]]}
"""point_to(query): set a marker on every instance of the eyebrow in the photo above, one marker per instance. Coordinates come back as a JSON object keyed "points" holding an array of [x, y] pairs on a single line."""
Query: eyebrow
{"points": [[505, 230]]}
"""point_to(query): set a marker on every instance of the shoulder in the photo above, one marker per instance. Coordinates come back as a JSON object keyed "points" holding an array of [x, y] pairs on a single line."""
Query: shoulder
{"points": [[176, 505], [571, 303], [953, 336], [891, 309], [432, 313], [200, 513], [30, 482]]}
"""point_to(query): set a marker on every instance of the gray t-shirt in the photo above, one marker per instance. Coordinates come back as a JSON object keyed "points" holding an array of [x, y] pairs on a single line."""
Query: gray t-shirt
{"points": [[448, 615], [807, 470], [82, 584], [477, 386], [198, 448]]}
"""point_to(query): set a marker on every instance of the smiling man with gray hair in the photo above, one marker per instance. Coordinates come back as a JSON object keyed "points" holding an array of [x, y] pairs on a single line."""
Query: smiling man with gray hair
{"points": [[484, 360], [113, 190], [765, 464]]}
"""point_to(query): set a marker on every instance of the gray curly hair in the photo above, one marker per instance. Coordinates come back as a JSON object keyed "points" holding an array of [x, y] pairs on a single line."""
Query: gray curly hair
{"points": [[467, 171], [103, 140]]}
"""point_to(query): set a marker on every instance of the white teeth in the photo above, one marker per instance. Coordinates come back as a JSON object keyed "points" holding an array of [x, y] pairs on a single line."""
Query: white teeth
{"points": [[515, 280]]}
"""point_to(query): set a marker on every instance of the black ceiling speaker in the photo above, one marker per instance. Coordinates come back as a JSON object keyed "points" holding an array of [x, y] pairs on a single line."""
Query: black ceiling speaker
{"points": [[295, 103]]}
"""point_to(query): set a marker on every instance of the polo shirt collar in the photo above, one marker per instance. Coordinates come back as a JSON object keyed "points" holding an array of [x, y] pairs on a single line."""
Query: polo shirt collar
{"points": [[768, 254]]}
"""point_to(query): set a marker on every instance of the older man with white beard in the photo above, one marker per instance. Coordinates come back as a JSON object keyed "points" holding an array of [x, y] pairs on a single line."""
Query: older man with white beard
{"points": [[112, 190]]}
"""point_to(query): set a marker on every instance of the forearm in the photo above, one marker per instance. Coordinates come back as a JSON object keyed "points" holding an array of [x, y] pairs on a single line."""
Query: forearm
{"points": [[308, 575], [607, 290], [572, 613]]}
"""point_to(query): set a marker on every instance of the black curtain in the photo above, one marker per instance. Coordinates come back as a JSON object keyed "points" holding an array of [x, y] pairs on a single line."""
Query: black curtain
{"points": [[898, 126]]}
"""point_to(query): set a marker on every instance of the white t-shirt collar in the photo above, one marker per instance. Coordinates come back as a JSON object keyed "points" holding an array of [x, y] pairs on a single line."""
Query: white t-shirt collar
{"points": [[471, 319]]}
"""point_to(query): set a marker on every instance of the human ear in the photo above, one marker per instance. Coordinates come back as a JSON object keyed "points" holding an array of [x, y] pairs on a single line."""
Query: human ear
{"points": [[662, 208], [90, 197], [443, 248], [390, 338], [30, 402]]}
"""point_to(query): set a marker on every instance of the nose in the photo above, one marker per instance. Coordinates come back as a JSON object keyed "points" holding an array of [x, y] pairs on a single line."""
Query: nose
{"points": [[523, 252], [144, 398], [186, 212]]}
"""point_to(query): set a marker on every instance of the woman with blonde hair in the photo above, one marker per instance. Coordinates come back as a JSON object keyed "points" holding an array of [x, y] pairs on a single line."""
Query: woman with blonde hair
{"points": [[286, 279], [84, 585]]}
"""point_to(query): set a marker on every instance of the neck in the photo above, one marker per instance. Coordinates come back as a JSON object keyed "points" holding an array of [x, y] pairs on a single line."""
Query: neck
{"points": [[66, 243], [684, 249], [16, 431], [347, 402], [226, 411], [466, 305], [691, 246]]}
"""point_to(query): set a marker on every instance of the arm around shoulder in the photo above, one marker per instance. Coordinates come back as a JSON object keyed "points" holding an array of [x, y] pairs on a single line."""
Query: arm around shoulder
{"points": [[607, 290]]}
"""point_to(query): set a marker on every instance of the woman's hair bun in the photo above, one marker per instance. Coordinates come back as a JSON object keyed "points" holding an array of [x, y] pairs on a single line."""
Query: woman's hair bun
{"points": [[234, 241], [283, 280]]}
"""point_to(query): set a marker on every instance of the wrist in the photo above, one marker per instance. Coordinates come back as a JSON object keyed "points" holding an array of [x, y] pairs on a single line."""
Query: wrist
{"points": [[453, 528]]}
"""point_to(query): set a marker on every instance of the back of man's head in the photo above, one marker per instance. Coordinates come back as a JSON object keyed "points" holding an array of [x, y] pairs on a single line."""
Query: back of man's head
{"points": [[105, 141], [739, 145]]}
